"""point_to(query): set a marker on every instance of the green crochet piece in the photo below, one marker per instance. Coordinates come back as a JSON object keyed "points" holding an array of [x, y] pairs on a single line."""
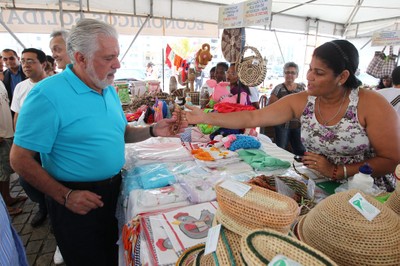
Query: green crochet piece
{"points": [[259, 160], [205, 128]]}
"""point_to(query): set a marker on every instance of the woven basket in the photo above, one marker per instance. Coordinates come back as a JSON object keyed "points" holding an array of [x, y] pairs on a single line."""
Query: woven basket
{"points": [[259, 247], [338, 230], [261, 207], [232, 42], [189, 255], [251, 70], [299, 188], [393, 201]]}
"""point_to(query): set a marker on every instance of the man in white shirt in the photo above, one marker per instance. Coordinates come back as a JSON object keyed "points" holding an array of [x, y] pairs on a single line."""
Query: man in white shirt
{"points": [[393, 94], [33, 63]]}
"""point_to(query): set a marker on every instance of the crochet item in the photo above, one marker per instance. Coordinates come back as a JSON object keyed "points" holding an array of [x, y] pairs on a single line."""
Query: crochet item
{"points": [[244, 142], [212, 154], [205, 128], [259, 160], [203, 56], [232, 107]]}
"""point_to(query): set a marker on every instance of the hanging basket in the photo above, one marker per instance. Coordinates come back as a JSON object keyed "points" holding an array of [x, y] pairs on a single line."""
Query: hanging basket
{"points": [[251, 70], [232, 42]]}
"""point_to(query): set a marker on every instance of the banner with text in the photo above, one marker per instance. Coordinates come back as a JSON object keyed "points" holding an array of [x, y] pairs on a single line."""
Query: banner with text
{"points": [[384, 38], [249, 13], [43, 21]]}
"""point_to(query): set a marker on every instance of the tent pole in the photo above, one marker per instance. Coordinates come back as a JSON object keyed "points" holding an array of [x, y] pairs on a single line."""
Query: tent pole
{"points": [[134, 38], [61, 14], [279, 45]]}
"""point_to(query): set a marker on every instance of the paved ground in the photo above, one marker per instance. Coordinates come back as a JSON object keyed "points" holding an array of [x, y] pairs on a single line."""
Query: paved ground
{"points": [[39, 242]]}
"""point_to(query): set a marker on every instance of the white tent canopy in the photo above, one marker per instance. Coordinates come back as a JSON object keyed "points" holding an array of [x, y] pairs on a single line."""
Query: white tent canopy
{"points": [[340, 18]]}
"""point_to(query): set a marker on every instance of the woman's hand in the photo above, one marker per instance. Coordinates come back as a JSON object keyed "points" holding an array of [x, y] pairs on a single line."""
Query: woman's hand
{"points": [[319, 163], [195, 115]]}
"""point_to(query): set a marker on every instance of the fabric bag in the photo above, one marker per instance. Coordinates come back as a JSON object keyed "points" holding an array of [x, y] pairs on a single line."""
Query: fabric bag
{"points": [[382, 65], [389, 64], [376, 63]]}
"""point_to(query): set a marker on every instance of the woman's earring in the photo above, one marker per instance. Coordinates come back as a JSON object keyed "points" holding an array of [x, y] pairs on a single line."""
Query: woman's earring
{"points": [[339, 84]]}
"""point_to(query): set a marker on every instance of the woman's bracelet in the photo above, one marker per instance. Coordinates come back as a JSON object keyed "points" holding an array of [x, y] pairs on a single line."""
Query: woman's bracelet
{"points": [[344, 172], [151, 128], [67, 196], [334, 172]]}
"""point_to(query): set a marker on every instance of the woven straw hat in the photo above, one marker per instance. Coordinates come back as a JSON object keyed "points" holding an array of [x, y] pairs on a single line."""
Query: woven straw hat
{"points": [[189, 255], [259, 247], [242, 227], [204, 260], [261, 207], [338, 230], [393, 201]]}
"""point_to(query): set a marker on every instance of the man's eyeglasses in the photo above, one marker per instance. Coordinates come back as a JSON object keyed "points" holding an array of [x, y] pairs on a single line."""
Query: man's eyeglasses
{"points": [[12, 58], [28, 62], [290, 73]]}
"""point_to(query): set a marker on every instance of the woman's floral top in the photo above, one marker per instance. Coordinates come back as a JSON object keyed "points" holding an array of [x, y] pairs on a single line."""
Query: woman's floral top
{"points": [[344, 143]]}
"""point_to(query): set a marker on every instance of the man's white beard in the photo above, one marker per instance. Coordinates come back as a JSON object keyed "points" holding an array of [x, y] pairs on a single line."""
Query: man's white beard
{"points": [[99, 83]]}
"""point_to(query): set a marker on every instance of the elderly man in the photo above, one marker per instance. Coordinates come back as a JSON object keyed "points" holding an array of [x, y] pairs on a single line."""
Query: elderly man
{"points": [[58, 48], [75, 120]]}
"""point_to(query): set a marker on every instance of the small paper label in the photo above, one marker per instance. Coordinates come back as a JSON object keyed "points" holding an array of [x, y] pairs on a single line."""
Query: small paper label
{"points": [[368, 210], [238, 188], [212, 239], [280, 260]]}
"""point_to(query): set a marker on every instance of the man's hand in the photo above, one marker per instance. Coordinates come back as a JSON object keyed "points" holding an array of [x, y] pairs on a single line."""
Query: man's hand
{"points": [[83, 201], [170, 127]]}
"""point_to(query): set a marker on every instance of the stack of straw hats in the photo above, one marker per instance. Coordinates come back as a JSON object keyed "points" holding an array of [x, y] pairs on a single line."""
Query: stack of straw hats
{"points": [[244, 239], [259, 247], [393, 201], [337, 229], [258, 208]]}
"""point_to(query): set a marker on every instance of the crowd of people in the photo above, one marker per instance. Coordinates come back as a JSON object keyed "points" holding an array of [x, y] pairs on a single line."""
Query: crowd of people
{"points": [[65, 134]]}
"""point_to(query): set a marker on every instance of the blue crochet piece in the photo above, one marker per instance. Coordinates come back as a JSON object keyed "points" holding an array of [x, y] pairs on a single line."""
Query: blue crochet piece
{"points": [[244, 142]]}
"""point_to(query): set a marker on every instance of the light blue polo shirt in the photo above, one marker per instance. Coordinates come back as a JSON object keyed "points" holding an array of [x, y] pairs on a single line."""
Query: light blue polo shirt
{"points": [[78, 132]]}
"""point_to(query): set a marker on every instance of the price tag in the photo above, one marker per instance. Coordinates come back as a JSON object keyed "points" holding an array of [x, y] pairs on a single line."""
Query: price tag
{"points": [[368, 210], [280, 260], [238, 188], [212, 239]]}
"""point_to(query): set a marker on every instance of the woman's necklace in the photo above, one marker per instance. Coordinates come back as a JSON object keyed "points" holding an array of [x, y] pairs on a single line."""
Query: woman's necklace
{"points": [[326, 122]]}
